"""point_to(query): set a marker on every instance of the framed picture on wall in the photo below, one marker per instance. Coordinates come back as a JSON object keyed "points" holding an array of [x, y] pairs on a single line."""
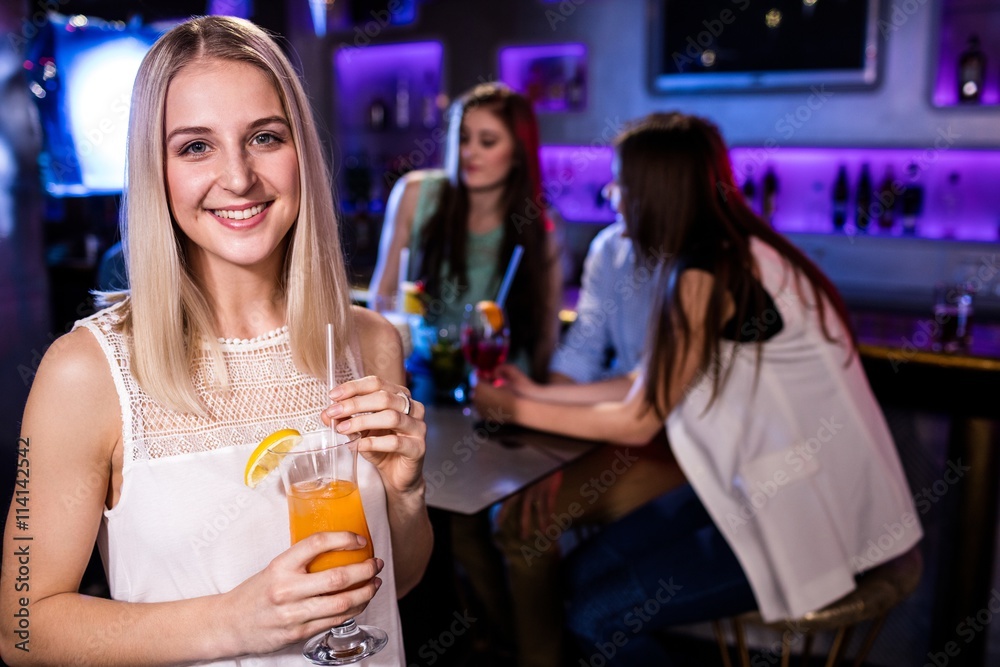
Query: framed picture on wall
{"points": [[552, 76]]}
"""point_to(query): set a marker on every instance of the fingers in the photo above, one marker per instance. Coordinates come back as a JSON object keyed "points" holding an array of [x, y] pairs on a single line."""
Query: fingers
{"points": [[324, 610], [372, 394], [333, 580], [300, 554], [506, 371]]}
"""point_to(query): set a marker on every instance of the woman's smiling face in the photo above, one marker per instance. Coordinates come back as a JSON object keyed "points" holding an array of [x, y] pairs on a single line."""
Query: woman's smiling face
{"points": [[231, 167]]}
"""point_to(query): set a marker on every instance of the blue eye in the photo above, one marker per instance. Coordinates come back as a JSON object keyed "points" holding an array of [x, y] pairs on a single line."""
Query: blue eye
{"points": [[195, 148], [266, 139]]}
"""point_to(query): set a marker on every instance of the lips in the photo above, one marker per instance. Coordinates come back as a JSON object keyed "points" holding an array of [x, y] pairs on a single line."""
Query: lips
{"points": [[241, 218]]}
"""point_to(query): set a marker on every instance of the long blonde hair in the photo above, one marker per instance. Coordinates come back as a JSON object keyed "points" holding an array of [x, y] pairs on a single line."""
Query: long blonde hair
{"points": [[167, 314]]}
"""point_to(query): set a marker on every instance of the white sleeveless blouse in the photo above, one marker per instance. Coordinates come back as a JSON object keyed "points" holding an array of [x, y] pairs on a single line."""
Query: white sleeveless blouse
{"points": [[185, 525]]}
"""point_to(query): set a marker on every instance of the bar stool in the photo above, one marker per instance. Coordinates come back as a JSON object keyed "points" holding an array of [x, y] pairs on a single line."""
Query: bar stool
{"points": [[878, 591]]}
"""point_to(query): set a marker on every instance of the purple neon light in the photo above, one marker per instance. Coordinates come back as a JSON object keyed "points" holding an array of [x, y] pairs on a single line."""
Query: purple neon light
{"points": [[966, 208], [370, 72], [957, 24], [572, 178]]}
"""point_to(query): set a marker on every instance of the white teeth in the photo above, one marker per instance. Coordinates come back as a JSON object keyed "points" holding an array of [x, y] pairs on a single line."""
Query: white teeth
{"points": [[241, 215]]}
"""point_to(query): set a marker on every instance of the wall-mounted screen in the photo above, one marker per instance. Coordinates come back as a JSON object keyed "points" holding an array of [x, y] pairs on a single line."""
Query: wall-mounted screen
{"points": [[749, 44], [81, 70]]}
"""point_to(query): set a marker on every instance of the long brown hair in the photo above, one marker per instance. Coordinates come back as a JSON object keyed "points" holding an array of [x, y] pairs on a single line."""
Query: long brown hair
{"points": [[680, 202], [525, 222]]}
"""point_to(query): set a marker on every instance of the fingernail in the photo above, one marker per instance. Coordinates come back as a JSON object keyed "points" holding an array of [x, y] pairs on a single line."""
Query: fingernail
{"points": [[362, 541], [344, 426], [380, 563], [336, 393], [335, 409], [378, 583]]}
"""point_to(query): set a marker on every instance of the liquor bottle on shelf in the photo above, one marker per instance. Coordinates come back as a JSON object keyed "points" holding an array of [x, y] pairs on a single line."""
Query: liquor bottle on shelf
{"points": [[971, 71], [750, 191], [863, 200], [428, 102], [886, 206], [769, 201], [912, 200], [376, 114], [951, 205], [402, 102], [576, 91], [840, 198]]}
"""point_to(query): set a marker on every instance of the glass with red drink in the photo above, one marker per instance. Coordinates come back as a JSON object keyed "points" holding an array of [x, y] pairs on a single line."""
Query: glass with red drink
{"points": [[485, 338]]}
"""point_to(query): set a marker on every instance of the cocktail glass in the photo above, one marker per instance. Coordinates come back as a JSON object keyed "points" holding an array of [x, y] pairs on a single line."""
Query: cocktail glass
{"points": [[321, 484], [485, 339]]}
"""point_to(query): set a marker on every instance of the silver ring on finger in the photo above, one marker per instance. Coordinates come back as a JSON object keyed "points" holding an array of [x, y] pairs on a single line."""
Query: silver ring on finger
{"points": [[406, 408]]}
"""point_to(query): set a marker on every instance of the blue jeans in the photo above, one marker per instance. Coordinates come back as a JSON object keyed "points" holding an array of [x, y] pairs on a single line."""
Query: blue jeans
{"points": [[664, 564]]}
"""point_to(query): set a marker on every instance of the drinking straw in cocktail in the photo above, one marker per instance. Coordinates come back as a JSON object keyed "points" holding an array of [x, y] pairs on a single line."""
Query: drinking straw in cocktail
{"points": [[331, 381], [404, 272], [508, 276]]}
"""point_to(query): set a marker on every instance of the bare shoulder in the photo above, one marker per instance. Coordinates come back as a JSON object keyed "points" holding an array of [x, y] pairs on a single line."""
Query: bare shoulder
{"points": [[694, 290], [381, 344], [74, 387], [407, 189], [75, 359]]}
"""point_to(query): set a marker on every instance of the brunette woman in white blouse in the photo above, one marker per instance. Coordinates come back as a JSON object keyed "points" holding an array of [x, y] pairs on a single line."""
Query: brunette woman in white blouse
{"points": [[752, 369], [141, 420]]}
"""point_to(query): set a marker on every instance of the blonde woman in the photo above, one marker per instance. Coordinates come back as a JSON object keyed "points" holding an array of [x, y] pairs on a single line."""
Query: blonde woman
{"points": [[141, 420]]}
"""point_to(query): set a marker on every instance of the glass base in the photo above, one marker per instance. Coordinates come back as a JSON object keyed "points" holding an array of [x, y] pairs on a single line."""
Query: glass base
{"points": [[345, 644]]}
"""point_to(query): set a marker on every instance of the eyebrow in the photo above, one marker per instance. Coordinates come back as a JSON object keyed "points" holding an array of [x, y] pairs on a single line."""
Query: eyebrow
{"points": [[260, 122]]}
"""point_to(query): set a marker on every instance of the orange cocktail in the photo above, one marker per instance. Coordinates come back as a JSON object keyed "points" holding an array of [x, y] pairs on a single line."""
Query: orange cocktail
{"points": [[332, 506]]}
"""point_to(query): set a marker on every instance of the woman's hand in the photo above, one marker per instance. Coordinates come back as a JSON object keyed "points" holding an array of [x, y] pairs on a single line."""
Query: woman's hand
{"points": [[500, 399], [392, 426], [517, 381], [284, 603]]}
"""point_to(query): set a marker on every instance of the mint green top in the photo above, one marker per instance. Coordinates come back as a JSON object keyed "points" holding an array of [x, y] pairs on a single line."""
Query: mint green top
{"points": [[482, 250], [448, 308]]}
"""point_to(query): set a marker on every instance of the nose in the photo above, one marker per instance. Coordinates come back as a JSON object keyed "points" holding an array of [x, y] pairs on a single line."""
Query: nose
{"points": [[611, 194], [238, 175], [467, 151]]}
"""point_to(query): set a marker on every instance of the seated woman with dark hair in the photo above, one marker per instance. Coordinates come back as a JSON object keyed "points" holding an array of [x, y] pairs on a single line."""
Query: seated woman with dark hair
{"points": [[461, 224], [752, 369]]}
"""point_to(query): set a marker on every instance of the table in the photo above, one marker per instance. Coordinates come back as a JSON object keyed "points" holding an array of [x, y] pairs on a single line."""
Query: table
{"points": [[903, 371], [473, 462]]}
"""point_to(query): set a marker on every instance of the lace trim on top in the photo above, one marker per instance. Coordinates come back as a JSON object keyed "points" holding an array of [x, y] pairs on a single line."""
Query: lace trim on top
{"points": [[266, 393]]}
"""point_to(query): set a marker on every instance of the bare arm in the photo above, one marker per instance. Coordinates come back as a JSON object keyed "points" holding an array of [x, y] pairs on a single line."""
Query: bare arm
{"points": [[563, 389], [629, 421], [73, 430], [399, 210], [395, 444]]}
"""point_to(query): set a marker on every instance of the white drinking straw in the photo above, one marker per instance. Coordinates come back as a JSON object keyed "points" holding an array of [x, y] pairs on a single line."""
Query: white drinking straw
{"points": [[331, 379], [331, 362], [508, 276]]}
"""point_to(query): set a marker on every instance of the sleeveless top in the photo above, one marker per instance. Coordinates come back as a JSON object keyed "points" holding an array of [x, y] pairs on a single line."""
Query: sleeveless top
{"points": [[481, 253], [796, 464], [185, 525]]}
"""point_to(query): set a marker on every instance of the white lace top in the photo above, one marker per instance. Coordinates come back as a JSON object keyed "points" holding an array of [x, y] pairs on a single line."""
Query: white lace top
{"points": [[185, 525]]}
